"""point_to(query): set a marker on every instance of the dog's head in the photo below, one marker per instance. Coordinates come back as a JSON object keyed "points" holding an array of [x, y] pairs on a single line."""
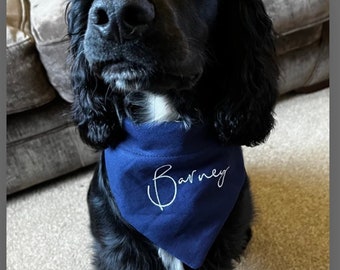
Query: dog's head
{"points": [[213, 60]]}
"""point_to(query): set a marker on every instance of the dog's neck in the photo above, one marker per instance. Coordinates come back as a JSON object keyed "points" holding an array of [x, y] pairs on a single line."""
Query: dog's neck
{"points": [[149, 107]]}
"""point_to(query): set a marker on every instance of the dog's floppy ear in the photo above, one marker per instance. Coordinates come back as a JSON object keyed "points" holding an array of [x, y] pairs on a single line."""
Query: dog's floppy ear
{"points": [[246, 73], [94, 106]]}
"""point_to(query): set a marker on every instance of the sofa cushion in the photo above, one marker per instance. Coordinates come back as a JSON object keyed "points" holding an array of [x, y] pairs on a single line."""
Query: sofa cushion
{"points": [[306, 66], [297, 24], [43, 145], [291, 15], [27, 83], [50, 32]]}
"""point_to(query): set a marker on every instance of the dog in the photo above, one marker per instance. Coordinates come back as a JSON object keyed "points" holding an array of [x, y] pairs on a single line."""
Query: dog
{"points": [[169, 91]]}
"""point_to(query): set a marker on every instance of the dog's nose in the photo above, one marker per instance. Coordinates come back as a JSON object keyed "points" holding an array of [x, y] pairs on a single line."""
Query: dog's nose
{"points": [[122, 20]]}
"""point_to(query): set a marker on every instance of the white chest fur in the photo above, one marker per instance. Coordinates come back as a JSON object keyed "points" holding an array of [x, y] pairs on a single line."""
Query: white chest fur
{"points": [[159, 109], [170, 262]]}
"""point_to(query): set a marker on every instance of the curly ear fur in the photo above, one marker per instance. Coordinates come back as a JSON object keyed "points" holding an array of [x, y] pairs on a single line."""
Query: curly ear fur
{"points": [[246, 74], [94, 107]]}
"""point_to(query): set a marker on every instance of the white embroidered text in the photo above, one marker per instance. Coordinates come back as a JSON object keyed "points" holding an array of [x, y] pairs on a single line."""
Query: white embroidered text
{"points": [[161, 174]]}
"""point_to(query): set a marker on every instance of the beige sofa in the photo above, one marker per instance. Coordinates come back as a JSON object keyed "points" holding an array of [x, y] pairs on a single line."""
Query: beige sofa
{"points": [[42, 142]]}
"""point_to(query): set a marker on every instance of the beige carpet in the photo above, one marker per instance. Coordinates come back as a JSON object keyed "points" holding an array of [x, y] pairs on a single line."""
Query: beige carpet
{"points": [[47, 226]]}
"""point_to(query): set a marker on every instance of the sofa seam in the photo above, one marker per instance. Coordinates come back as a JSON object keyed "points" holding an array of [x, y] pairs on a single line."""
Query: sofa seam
{"points": [[36, 136], [320, 21]]}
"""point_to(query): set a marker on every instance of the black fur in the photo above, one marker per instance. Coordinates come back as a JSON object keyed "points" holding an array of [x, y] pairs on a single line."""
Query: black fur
{"points": [[213, 60]]}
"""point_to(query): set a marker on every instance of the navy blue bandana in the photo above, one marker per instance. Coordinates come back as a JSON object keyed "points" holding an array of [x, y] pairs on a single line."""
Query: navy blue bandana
{"points": [[175, 187]]}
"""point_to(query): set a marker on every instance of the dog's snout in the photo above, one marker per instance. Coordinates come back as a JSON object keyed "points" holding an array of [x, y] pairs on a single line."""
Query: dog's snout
{"points": [[122, 20]]}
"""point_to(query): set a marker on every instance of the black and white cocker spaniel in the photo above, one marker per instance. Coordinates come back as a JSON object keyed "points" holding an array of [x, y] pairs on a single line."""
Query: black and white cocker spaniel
{"points": [[170, 90]]}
